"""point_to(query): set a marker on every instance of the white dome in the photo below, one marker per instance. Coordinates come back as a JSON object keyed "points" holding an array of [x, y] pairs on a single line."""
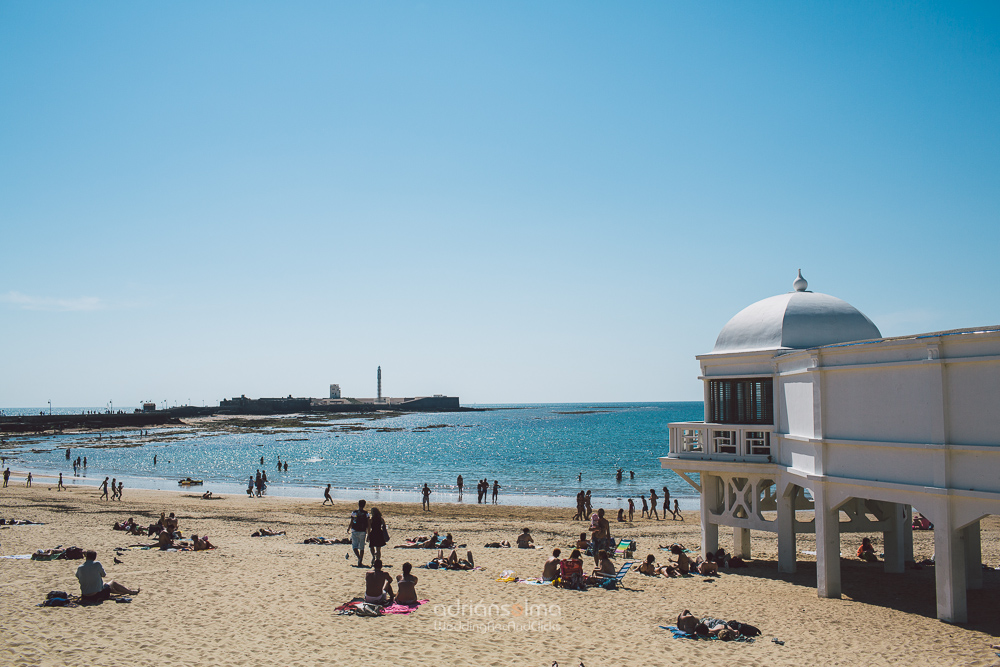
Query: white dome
{"points": [[797, 320]]}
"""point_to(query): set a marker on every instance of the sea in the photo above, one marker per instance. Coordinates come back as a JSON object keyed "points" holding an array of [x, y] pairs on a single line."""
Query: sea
{"points": [[541, 455]]}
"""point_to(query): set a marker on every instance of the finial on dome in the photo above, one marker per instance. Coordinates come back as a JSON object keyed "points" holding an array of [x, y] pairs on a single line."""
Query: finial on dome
{"points": [[800, 283]]}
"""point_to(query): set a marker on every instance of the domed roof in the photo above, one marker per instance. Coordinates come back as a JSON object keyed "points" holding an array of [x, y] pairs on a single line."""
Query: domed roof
{"points": [[797, 320]]}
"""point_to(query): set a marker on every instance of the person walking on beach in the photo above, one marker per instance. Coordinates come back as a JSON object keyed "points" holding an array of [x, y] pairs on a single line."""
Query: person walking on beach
{"points": [[358, 527], [588, 505], [645, 507], [426, 503], [666, 502], [580, 508], [6, 476], [326, 496], [652, 504], [104, 489], [631, 509], [114, 488], [460, 483], [27, 483], [121, 485], [496, 490], [677, 511], [61, 485]]}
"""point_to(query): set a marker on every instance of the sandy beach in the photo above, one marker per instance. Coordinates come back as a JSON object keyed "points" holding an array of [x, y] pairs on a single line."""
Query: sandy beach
{"points": [[272, 600]]}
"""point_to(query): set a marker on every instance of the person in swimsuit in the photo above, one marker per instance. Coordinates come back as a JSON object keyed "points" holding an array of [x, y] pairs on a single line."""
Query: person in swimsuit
{"points": [[326, 496], [550, 571], [652, 504], [426, 493], [406, 591], [378, 585]]}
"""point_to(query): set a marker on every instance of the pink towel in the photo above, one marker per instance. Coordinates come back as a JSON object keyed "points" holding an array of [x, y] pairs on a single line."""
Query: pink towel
{"points": [[396, 608]]}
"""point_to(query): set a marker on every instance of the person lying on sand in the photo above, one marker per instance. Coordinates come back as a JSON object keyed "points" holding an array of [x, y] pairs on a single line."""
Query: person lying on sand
{"points": [[266, 532], [91, 576], [502, 544], [325, 540], [714, 627], [652, 569], [453, 562], [406, 592], [525, 541], [550, 571], [202, 543], [378, 585], [421, 542]]}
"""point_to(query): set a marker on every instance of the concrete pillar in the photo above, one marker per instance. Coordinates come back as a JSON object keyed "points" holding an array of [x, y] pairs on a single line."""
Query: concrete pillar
{"points": [[973, 557], [827, 545], [908, 533], [741, 542], [786, 530], [709, 502], [949, 570], [892, 539]]}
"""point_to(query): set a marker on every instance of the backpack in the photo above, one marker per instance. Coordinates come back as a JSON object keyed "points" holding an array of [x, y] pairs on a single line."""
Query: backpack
{"points": [[359, 520]]}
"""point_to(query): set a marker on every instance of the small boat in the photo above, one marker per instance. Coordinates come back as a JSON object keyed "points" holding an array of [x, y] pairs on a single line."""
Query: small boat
{"points": [[187, 481]]}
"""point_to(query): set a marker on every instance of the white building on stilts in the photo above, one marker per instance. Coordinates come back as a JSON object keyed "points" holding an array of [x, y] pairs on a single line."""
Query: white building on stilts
{"points": [[807, 407]]}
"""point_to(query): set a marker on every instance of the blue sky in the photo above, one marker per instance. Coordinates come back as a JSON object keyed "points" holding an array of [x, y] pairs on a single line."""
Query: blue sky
{"points": [[508, 202]]}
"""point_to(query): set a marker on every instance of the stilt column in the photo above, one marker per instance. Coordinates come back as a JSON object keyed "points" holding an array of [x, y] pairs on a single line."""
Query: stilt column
{"points": [[893, 539], [949, 570], [709, 502], [786, 530], [827, 546], [741, 542]]}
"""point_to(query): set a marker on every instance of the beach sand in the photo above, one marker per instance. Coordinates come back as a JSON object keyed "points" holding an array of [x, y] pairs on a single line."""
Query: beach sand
{"points": [[271, 600]]}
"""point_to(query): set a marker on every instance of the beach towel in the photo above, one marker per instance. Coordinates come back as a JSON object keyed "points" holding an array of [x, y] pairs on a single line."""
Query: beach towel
{"points": [[18, 557], [404, 609], [358, 607], [678, 634]]}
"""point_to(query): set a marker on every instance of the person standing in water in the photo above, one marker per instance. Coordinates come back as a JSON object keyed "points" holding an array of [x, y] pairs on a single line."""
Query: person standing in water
{"points": [[460, 483], [496, 490]]}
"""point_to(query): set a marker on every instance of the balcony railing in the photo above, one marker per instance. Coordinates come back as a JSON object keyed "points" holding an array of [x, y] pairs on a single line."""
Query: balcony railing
{"points": [[722, 441]]}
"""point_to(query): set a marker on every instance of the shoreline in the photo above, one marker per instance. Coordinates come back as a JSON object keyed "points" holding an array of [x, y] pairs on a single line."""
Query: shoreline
{"points": [[688, 504]]}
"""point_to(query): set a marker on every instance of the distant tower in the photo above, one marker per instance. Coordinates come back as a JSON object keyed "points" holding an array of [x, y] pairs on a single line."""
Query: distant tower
{"points": [[334, 391], [379, 384]]}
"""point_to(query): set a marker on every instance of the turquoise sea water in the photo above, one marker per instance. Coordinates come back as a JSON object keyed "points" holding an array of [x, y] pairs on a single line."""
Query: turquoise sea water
{"points": [[535, 451]]}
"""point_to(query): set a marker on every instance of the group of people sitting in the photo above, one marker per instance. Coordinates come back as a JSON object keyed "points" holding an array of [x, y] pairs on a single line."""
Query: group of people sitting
{"points": [[570, 573], [378, 586]]}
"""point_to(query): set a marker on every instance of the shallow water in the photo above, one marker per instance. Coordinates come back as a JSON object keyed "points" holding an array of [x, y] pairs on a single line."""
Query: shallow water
{"points": [[536, 452]]}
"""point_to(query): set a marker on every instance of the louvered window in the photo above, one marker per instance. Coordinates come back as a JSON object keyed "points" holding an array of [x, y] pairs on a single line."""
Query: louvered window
{"points": [[741, 401]]}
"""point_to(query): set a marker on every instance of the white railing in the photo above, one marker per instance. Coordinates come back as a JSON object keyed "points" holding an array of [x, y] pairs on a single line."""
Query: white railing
{"points": [[721, 441]]}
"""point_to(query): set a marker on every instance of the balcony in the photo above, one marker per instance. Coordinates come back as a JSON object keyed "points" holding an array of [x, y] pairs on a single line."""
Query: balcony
{"points": [[725, 442]]}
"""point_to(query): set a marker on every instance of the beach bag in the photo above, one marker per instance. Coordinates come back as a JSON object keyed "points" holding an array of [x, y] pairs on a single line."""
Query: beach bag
{"points": [[744, 629], [57, 594], [369, 609], [73, 553], [385, 533]]}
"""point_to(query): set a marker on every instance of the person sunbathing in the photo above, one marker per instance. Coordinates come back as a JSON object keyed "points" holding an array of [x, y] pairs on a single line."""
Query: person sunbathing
{"points": [[202, 543], [651, 569], [453, 562], [406, 592], [378, 585], [714, 627], [525, 540], [326, 540], [421, 542], [683, 562], [265, 532], [447, 543], [707, 565], [604, 570], [502, 544], [583, 543], [550, 571]]}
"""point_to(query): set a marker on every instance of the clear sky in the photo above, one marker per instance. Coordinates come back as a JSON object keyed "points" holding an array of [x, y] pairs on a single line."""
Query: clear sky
{"points": [[505, 201]]}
